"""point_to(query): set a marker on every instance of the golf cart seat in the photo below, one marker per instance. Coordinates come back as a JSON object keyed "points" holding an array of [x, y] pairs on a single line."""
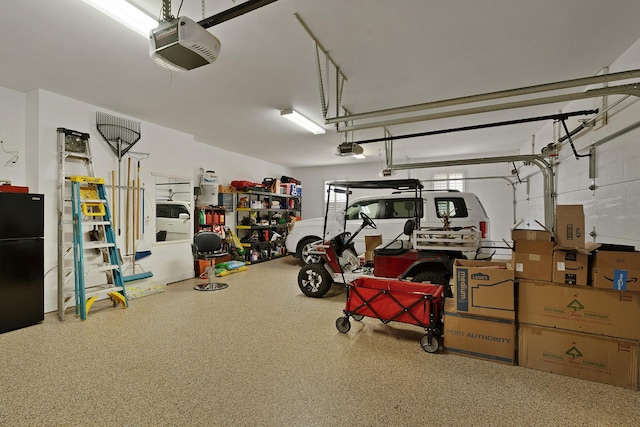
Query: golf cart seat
{"points": [[398, 247]]}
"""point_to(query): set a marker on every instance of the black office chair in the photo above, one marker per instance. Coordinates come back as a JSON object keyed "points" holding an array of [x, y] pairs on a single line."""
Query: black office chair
{"points": [[207, 245]]}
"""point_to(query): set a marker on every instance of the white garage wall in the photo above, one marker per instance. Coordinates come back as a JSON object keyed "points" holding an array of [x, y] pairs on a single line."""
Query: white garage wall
{"points": [[611, 208], [29, 122]]}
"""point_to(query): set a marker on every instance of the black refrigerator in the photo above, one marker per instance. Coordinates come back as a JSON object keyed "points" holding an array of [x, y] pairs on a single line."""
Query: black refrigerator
{"points": [[21, 260]]}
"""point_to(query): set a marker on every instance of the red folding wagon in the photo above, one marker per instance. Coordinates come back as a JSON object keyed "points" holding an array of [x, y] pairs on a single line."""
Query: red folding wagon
{"points": [[398, 301]]}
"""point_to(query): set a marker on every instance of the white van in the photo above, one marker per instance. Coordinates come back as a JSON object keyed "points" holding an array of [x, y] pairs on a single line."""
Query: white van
{"points": [[173, 220], [390, 213]]}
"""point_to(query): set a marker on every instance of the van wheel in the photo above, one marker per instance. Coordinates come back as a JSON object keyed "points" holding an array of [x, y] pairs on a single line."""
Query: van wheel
{"points": [[433, 277], [303, 251], [314, 281]]}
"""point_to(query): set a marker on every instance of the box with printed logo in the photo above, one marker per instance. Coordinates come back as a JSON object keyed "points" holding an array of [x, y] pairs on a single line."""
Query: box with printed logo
{"points": [[591, 357], [570, 267], [570, 226], [484, 288], [616, 270], [580, 308], [480, 337]]}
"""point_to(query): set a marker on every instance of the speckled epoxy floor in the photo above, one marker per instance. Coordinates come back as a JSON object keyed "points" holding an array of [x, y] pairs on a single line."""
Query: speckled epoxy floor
{"points": [[261, 354]]}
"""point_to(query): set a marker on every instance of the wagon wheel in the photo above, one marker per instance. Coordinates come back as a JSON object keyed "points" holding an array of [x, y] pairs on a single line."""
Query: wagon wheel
{"points": [[424, 342], [357, 317], [343, 325]]}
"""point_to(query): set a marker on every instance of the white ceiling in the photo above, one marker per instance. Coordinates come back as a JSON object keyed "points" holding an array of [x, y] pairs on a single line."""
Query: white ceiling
{"points": [[393, 53]]}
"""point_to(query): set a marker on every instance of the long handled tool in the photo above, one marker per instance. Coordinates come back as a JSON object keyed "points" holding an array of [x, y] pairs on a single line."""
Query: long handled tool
{"points": [[115, 207], [121, 134], [127, 207], [138, 202]]}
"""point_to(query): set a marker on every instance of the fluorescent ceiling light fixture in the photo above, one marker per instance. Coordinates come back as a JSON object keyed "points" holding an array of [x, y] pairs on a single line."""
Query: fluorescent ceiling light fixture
{"points": [[127, 14], [302, 121]]}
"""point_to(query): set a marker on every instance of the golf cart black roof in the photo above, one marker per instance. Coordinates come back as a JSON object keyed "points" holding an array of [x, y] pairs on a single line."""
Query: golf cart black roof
{"points": [[394, 184]]}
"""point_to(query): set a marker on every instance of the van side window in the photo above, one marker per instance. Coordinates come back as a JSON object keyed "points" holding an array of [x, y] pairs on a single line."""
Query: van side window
{"points": [[369, 207], [454, 207], [163, 211], [170, 211], [401, 208], [179, 209]]}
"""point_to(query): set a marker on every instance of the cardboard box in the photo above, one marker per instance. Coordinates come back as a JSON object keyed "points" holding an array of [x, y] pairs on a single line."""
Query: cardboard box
{"points": [[370, 243], [570, 226], [534, 247], [226, 189], [533, 259], [570, 267], [616, 270], [484, 288], [523, 234], [480, 337], [580, 308], [590, 357]]}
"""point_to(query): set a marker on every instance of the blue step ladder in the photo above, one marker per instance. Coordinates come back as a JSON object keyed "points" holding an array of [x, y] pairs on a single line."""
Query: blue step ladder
{"points": [[90, 207]]}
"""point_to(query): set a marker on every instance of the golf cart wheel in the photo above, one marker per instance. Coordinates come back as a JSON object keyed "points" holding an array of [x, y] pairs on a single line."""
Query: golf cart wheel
{"points": [[303, 254], [357, 317], [343, 325], [424, 342], [314, 281]]}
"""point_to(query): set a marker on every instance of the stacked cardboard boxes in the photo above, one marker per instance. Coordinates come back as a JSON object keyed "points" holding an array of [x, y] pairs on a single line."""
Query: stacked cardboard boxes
{"points": [[479, 321], [576, 314], [577, 310], [533, 253], [565, 259], [570, 256], [582, 332], [579, 331]]}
